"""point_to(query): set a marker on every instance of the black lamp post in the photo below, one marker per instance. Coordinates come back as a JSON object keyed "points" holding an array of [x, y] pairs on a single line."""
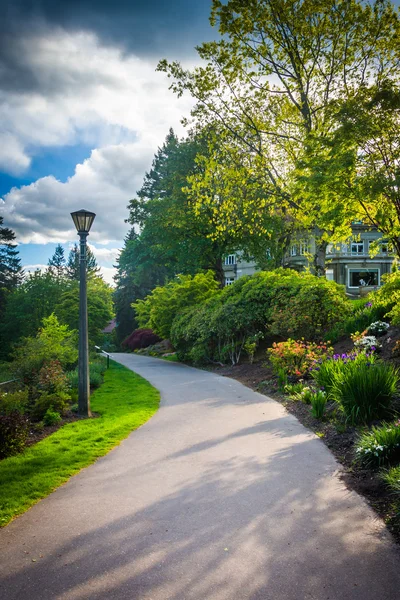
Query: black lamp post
{"points": [[83, 220]]}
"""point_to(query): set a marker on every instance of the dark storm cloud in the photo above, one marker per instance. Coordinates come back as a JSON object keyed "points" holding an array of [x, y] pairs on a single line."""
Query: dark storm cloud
{"points": [[152, 28]]}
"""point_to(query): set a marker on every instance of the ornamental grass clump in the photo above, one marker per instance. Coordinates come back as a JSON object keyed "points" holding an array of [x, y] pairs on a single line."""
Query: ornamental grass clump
{"points": [[380, 446], [365, 390], [392, 479], [318, 404]]}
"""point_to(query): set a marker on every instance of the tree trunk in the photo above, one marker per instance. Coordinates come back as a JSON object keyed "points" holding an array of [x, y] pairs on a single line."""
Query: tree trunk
{"points": [[318, 266]]}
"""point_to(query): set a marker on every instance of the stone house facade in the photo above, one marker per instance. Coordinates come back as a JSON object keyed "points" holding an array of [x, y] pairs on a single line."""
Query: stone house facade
{"points": [[349, 264]]}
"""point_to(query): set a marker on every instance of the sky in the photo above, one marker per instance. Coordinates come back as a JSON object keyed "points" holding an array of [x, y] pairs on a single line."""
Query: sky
{"points": [[83, 111]]}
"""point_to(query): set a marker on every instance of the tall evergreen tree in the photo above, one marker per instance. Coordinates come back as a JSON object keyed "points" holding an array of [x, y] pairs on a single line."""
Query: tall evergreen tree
{"points": [[72, 268], [57, 263], [11, 273]]}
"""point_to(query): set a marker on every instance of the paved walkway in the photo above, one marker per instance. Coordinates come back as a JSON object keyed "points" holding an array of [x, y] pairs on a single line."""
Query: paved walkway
{"points": [[221, 496]]}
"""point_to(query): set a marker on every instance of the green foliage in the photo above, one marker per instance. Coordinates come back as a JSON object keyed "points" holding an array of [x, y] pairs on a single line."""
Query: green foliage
{"points": [[14, 428], [49, 401], [318, 404], [72, 268], [51, 417], [380, 446], [158, 310], [251, 344], [100, 307], [54, 342], [123, 403], [392, 479], [363, 313], [218, 329], [293, 390], [296, 357], [13, 401], [365, 390], [269, 87], [36, 297], [96, 372], [282, 379], [325, 374]]}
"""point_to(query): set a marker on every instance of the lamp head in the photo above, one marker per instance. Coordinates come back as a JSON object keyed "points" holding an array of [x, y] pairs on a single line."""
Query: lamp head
{"points": [[83, 220]]}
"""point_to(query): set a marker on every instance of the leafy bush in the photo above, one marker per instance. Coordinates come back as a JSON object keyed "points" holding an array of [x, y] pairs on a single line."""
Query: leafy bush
{"points": [[318, 404], [96, 371], [362, 315], [296, 357], [52, 378], [14, 429], [140, 338], [365, 390], [380, 446], [388, 297], [281, 302], [12, 401], [378, 328], [56, 401], [158, 310], [54, 342], [51, 417]]}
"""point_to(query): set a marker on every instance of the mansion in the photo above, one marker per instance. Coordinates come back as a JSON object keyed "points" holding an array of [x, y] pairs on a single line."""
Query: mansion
{"points": [[349, 264]]}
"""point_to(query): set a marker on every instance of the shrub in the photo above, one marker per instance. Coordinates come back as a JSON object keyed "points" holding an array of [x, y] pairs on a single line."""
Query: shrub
{"points": [[318, 404], [13, 401], [281, 302], [378, 328], [54, 342], [362, 315], [14, 429], [52, 378], [365, 390], [140, 338], [57, 401], [51, 417], [96, 370], [159, 309], [296, 357], [380, 446]]}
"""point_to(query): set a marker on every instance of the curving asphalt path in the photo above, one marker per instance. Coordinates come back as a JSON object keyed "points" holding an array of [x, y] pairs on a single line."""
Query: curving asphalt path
{"points": [[222, 495]]}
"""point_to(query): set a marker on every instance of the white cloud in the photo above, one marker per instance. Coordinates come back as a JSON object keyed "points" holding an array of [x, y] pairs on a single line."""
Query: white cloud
{"points": [[108, 274], [104, 183], [105, 255], [84, 92], [88, 93]]}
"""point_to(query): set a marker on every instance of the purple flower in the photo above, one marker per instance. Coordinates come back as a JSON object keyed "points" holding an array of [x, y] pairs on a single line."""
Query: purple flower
{"points": [[344, 355], [368, 305], [373, 348]]}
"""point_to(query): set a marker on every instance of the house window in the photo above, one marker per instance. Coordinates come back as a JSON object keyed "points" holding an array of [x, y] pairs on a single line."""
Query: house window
{"points": [[293, 250], [230, 259], [365, 277], [357, 247], [304, 248], [229, 280]]}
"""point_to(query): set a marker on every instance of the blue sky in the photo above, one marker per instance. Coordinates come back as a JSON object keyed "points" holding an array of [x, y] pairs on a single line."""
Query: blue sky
{"points": [[82, 112]]}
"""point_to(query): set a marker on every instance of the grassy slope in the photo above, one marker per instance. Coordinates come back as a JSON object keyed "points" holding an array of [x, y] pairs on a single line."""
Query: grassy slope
{"points": [[124, 402]]}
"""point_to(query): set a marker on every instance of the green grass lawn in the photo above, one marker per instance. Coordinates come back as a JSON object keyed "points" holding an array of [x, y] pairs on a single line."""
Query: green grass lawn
{"points": [[124, 402]]}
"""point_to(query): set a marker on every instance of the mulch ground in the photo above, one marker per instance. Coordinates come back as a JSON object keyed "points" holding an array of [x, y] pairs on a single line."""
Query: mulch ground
{"points": [[340, 441]]}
